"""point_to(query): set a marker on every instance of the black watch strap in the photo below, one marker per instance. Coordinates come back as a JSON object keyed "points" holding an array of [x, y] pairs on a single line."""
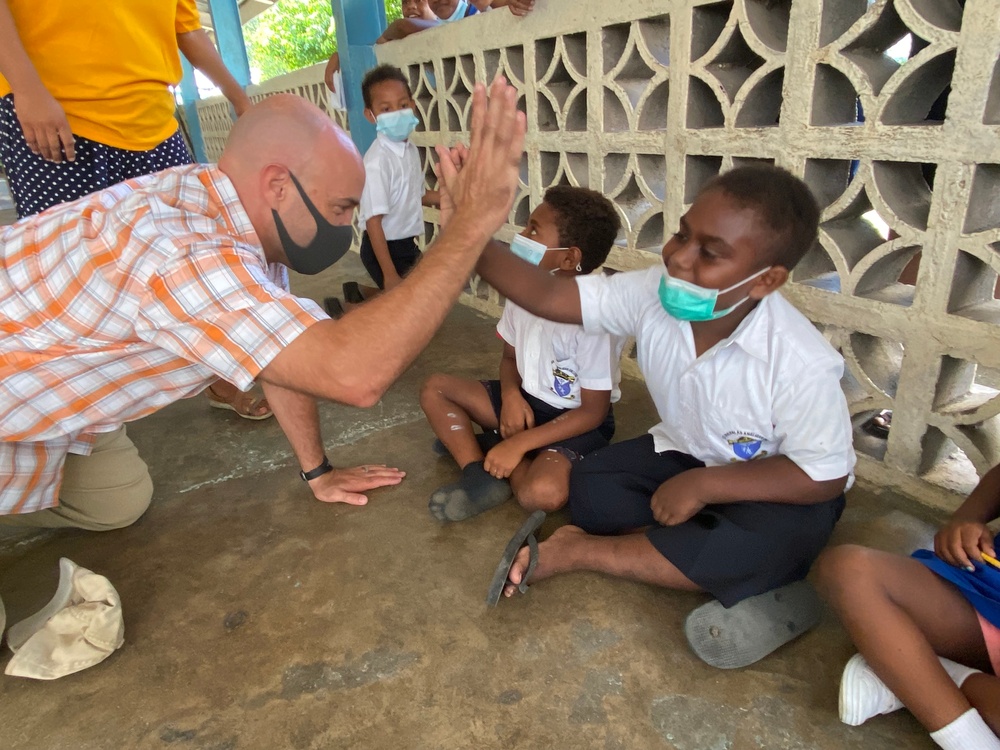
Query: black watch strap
{"points": [[323, 468]]}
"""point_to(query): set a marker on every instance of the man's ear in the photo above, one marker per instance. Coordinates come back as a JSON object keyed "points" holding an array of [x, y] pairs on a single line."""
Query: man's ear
{"points": [[769, 281], [370, 116], [275, 183]]}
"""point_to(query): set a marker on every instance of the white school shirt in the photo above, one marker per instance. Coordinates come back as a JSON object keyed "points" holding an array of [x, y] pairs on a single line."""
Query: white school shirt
{"points": [[394, 188], [556, 360], [772, 388]]}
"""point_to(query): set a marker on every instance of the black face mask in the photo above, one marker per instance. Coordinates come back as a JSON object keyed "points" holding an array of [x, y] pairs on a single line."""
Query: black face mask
{"points": [[326, 248]]}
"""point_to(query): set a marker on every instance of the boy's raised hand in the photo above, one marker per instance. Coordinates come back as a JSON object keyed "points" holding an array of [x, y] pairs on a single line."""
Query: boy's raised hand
{"points": [[960, 543], [482, 187]]}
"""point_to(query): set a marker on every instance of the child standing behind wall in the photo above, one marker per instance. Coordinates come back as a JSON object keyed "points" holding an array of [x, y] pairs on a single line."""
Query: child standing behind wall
{"points": [[390, 212]]}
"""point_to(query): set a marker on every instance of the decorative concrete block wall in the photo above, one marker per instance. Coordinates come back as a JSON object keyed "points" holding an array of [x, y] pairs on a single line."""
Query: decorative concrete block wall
{"points": [[889, 110], [215, 116]]}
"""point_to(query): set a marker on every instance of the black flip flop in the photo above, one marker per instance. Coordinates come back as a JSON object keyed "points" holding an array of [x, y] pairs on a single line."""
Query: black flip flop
{"points": [[352, 292], [333, 307], [524, 535]]}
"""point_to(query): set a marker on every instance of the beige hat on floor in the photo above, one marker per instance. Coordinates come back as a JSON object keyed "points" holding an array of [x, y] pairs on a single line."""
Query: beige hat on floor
{"points": [[80, 627]]}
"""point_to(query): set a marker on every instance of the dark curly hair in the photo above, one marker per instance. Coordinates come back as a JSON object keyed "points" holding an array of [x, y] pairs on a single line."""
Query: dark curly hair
{"points": [[584, 219], [378, 75], [782, 201]]}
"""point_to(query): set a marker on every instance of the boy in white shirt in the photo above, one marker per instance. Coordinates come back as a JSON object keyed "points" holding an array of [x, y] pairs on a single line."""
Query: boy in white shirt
{"points": [[390, 211], [552, 403], [737, 489]]}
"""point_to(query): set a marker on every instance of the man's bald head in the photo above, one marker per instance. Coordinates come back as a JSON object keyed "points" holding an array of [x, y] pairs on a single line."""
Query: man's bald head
{"points": [[284, 135]]}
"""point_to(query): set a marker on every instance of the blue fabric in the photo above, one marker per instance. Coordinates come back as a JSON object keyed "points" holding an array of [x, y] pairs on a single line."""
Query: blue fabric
{"points": [[981, 588]]}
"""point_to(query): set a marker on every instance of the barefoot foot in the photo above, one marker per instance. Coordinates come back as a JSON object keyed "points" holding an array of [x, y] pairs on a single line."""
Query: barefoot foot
{"points": [[555, 555]]}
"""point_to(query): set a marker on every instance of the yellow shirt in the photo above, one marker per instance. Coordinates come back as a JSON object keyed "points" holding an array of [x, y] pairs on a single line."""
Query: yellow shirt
{"points": [[109, 63]]}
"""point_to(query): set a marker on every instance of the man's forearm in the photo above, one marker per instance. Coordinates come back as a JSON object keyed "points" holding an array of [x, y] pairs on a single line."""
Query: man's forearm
{"points": [[299, 419], [777, 479], [15, 65], [539, 292], [202, 54], [354, 360]]}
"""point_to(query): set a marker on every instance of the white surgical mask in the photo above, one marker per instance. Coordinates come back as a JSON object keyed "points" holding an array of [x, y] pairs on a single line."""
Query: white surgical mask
{"points": [[460, 11]]}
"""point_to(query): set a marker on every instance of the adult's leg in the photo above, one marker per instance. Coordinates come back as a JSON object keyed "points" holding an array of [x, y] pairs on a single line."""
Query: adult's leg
{"points": [[452, 404], [109, 489], [902, 617]]}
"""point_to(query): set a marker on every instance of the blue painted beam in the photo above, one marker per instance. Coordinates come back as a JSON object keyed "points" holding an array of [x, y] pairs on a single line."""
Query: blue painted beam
{"points": [[189, 109], [229, 38], [358, 23]]}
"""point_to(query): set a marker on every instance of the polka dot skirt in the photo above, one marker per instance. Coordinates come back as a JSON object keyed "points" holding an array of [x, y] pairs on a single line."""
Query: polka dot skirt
{"points": [[37, 184]]}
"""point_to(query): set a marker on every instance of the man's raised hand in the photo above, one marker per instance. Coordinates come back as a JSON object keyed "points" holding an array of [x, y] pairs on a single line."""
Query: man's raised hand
{"points": [[483, 184]]}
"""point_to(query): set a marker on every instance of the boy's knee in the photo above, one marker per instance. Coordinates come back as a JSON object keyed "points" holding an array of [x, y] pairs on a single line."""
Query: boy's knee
{"points": [[545, 493], [433, 387], [839, 568]]}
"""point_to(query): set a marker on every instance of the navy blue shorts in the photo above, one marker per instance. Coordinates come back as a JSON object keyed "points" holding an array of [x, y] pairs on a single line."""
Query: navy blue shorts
{"points": [[572, 448], [733, 551], [37, 184], [404, 254]]}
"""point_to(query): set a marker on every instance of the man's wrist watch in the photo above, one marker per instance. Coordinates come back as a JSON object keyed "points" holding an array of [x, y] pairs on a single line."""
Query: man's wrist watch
{"points": [[323, 468]]}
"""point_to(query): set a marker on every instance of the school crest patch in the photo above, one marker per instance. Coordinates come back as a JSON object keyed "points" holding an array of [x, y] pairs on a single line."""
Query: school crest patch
{"points": [[745, 445]]}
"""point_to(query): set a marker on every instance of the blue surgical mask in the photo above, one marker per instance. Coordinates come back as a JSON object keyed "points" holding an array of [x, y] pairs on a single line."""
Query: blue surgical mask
{"points": [[529, 249], [460, 11], [396, 126], [687, 301]]}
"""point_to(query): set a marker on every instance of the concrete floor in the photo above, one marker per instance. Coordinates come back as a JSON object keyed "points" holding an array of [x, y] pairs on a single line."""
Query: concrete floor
{"points": [[257, 617]]}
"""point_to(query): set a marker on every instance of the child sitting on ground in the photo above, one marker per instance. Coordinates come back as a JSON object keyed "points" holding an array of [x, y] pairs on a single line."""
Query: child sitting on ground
{"points": [[394, 188], [552, 403], [909, 622], [737, 489]]}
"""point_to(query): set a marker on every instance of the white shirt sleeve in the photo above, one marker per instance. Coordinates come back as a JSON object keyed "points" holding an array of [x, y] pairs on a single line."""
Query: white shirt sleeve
{"points": [[376, 198], [614, 304], [506, 328], [593, 361], [812, 423]]}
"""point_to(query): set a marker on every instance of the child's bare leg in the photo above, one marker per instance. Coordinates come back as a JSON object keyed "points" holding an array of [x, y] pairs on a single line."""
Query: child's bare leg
{"points": [[901, 617], [983, 692], [544, 482], [570, 548], [452, 404]]}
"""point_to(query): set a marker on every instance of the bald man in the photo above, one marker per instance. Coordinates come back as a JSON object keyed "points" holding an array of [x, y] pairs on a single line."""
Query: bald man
{"points": [[117, 304]]}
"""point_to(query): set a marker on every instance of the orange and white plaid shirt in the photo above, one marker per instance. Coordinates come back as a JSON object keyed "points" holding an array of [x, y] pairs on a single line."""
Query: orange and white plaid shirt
{"points": [[117, 304]]}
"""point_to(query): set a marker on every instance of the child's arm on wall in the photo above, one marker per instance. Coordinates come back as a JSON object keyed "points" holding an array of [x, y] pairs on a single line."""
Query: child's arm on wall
{"points": [[403, 27], [431, 198], [515, 413], [505, 457], [966, 537], [777, 479], [381, 247]]}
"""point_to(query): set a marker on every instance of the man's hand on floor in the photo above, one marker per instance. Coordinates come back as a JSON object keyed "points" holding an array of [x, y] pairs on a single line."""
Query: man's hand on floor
{"points": [[346, 485]]}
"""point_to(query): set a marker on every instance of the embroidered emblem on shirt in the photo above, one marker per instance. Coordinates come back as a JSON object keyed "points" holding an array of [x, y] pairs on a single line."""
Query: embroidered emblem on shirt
{"points": [[745, 445], [562, 381]]}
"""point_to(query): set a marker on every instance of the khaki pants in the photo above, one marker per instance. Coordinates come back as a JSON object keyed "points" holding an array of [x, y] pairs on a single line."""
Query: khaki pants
{"points": [[109, 489]]}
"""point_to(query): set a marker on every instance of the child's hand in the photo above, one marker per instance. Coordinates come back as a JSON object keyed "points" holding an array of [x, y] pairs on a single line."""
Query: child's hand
{"points": [[503, 458], [679, 498], [959, 543], [515, 416]]}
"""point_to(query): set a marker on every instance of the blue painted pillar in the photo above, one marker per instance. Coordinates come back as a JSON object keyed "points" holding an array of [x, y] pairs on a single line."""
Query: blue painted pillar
{"points": [[229, 38], [189, 108], [359, 23]]}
